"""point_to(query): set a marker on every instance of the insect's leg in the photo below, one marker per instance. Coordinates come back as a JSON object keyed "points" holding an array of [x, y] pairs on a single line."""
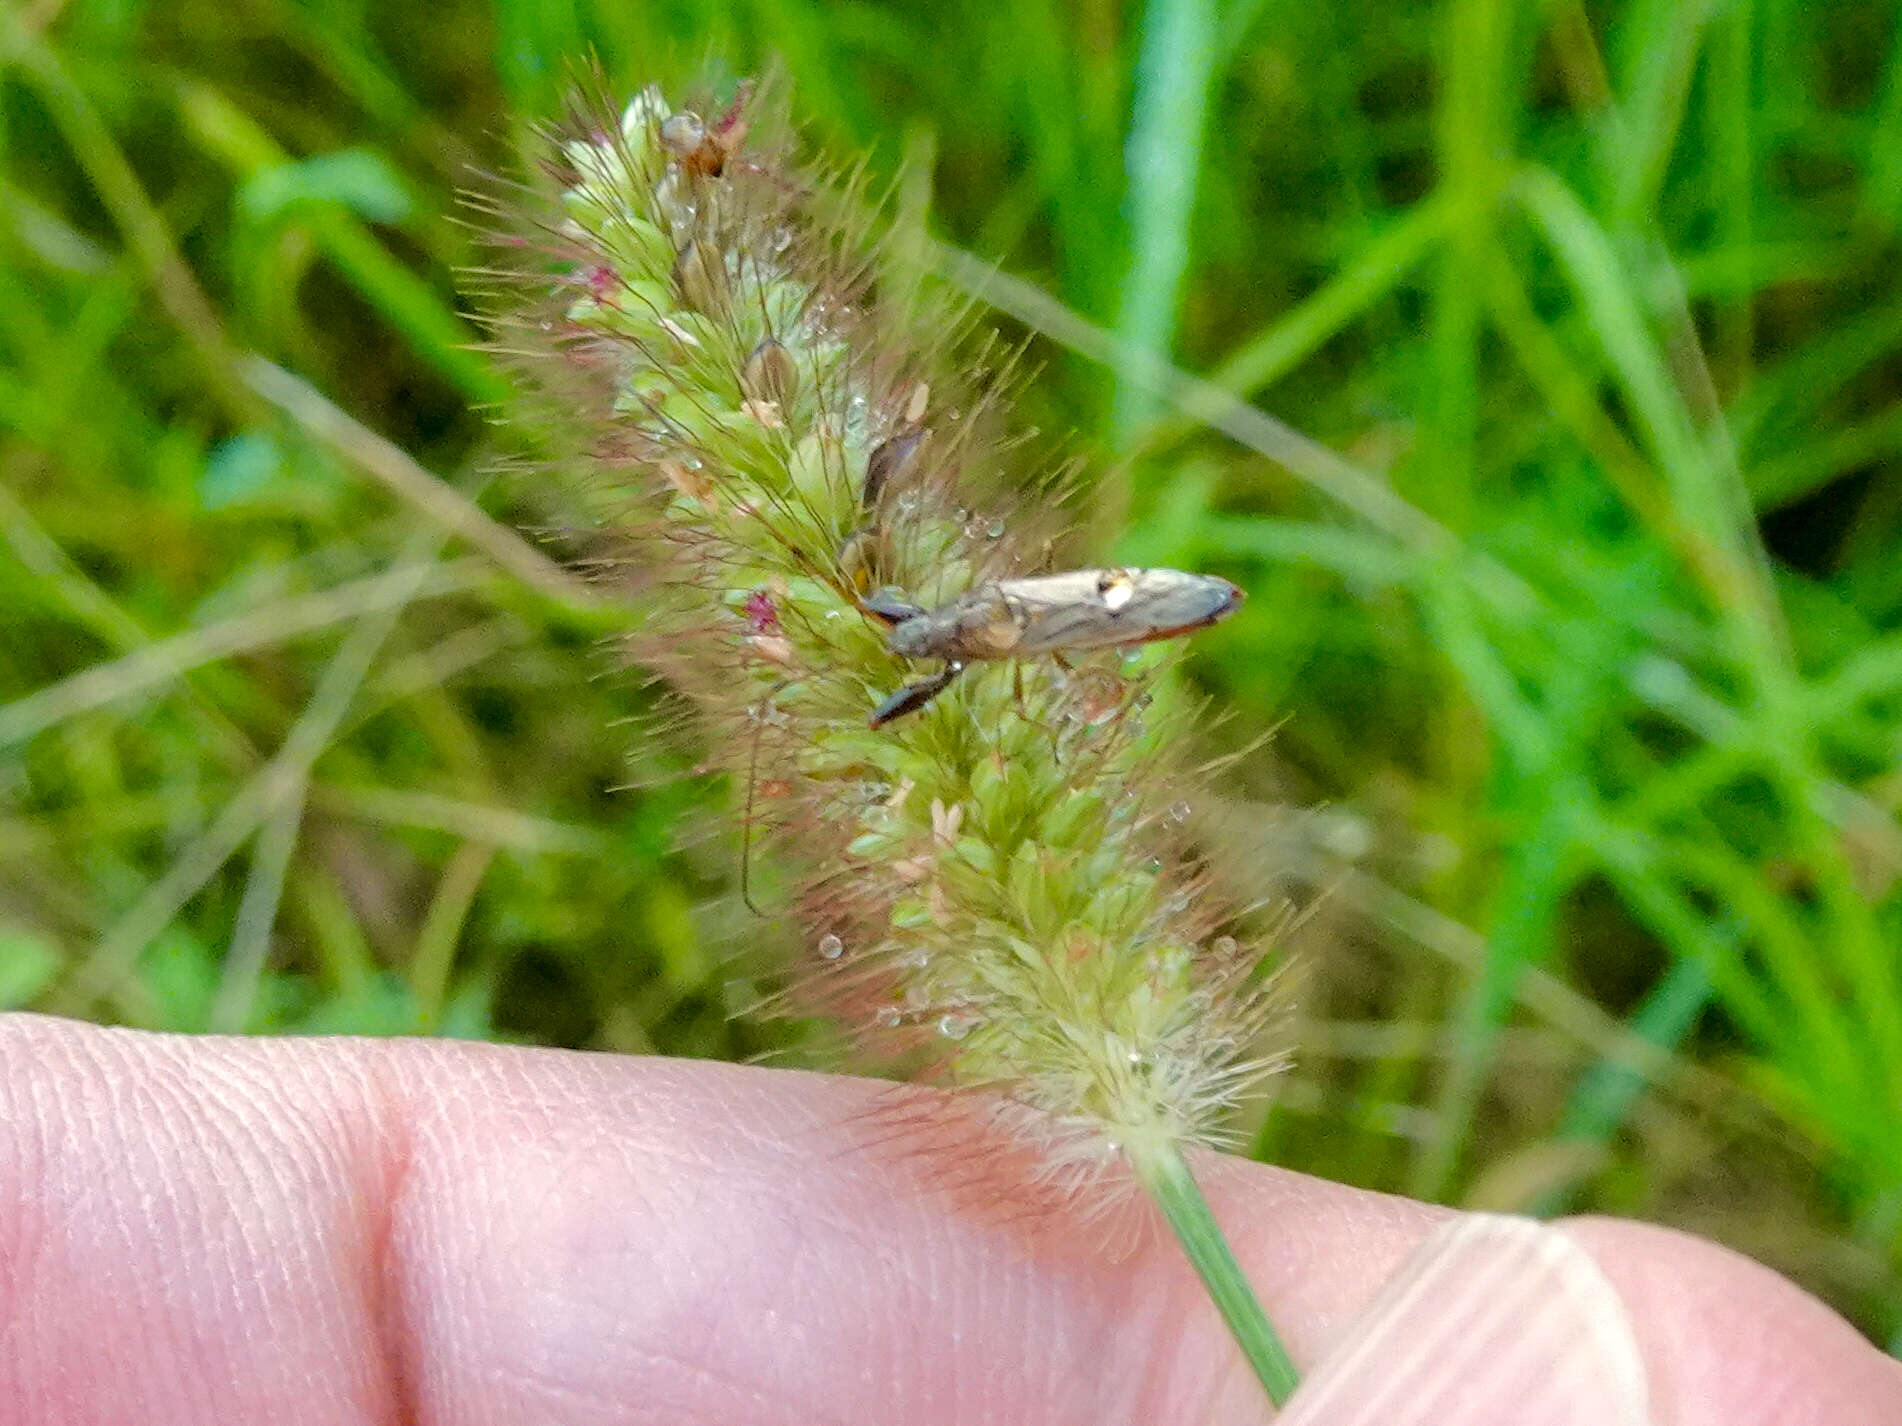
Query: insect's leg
{"points": [[752, 781], [1069, 670], [914, 696], [1017, 689]]}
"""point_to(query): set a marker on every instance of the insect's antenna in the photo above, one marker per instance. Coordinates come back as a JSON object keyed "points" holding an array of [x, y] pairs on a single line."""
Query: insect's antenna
{"points": [[746, 818]]}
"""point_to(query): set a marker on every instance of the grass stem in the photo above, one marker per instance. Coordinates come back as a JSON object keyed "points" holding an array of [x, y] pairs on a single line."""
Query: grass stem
{"points": [[1167, 1177]]}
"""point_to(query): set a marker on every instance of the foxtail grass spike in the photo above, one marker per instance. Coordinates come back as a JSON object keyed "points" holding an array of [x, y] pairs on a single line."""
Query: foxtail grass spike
{"points": [[952, 739]]}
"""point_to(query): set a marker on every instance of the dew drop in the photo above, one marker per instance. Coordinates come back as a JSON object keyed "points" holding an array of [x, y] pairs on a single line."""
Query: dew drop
{"points": [[1224, 946], [1180, 811], [889, 1016], [995, 530], [954, 1027], [831, 947]]}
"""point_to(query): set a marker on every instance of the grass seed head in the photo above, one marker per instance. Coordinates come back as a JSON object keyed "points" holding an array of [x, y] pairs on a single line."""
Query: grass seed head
{"points": [[771, 431]]}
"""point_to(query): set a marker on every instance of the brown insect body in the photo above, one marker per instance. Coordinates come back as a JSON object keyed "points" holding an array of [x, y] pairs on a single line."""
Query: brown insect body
{"points": [[1046, 614]]}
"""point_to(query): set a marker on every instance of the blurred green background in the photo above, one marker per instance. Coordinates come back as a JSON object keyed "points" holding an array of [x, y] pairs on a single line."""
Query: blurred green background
{"points": [[1577, 604]]}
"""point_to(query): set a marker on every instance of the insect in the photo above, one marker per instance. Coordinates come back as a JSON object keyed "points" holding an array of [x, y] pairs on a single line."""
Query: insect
{"points": [[1050, 614]]}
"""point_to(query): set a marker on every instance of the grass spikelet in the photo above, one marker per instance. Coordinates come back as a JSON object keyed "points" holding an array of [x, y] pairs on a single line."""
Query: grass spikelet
{"points": [[775, 425]]}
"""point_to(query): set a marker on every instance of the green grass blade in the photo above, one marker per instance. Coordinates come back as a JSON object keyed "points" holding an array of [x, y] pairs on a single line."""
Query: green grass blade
{"points": [[1164, 161]]}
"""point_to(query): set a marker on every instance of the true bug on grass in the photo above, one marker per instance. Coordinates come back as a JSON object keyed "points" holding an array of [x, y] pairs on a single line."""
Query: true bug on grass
{"points": [[1050, 614]]}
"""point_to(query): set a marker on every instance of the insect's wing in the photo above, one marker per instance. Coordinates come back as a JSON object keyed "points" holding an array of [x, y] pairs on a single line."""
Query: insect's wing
{"points": [[1102, 608]]}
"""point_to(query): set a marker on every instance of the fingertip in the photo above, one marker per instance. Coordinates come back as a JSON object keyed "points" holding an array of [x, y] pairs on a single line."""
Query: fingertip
{"points": [[1728, 1342]]}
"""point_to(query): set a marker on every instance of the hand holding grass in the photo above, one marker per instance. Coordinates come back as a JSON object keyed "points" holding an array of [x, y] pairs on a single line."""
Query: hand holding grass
{"points": [[348, 1231]]}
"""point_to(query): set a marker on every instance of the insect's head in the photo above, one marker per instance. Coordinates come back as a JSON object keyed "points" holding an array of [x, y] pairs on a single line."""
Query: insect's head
{"points": [[912, 639], [901, 616]]}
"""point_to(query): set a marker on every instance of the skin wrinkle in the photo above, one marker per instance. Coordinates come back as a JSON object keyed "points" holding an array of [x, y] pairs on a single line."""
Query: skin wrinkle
{"points": [[958, 1303], [421, 1233], [1018, 1239], [938, 1296], [260, 1138], [734, 1315], [814, 1230], [95, 1218], [652, 1350], [1138, 1329], [383, 1300], [603, 1195], [92, 1239], [656, 1363], [552, 1167], [23, 1153], [410, 1129], [722, 1411], [251, 1132], [215, 1102], [214, 1113]]}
